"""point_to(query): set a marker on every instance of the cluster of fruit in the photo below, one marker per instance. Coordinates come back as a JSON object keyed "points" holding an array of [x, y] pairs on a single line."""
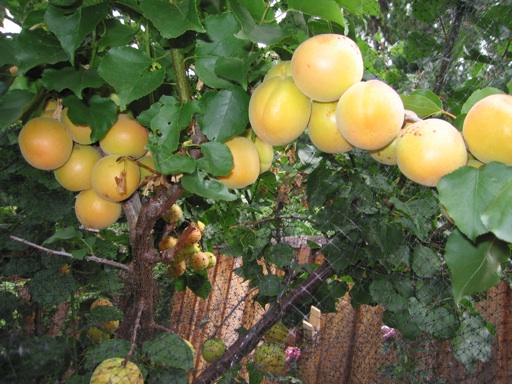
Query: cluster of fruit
{"points": [[103, 173], [107, 328], [321, 89], [190, 253], [270, 355]]}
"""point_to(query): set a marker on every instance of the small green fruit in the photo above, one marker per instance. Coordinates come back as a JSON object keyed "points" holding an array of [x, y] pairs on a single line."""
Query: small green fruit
{"points": [[112, 371], [213, 349], [270, 358], [277, 334]]}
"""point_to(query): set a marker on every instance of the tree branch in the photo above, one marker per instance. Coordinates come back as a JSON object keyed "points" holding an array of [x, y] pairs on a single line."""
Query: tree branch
{"points": [[66, 254], [247, 342]]}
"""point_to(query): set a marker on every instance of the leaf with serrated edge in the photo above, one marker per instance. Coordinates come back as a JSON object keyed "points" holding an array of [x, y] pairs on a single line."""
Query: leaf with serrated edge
{"points": [[497, 217]]}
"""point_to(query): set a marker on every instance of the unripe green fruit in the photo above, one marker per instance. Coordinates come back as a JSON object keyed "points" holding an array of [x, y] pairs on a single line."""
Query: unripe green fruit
{"points": [[213, 349], [270, 358], [112, 371], [277, 334]]}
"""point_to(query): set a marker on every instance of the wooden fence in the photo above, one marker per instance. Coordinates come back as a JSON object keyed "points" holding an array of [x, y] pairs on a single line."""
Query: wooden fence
{"points": [[349, 348]]}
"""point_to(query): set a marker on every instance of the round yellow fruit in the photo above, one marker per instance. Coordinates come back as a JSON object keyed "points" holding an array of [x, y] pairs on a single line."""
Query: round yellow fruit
{"points": [[270, 358], [199, 261], [277, 334], [370, 114], [386, 155], [282, 68], [193, 237], [265, 151], [246, 163], [114, 178], [187, 252], [45, 143], [126, 137], [325, 66], [112, 371], [167, 243], [176, 269], [94, 212], [487, 129], [81, 134], [212, 260], [150, 162], [174, 214], [97, 334], [75, 174], [323, 131], [428, 150], [278, 111], [213, 349]]}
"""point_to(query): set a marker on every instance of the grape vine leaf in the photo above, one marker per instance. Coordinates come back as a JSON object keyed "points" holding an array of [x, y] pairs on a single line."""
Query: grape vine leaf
{"points": [[174, 18], [474, 266], [70, 78]]}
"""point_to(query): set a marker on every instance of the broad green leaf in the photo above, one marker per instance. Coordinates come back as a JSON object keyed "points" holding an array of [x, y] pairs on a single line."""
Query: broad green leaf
{"points": [[8, 56], [466, 193], [100, 114], [509, 87], [106, 313], [255, 31], [325, 9], [170, 375], [473, 342], [280, 254], [116, 34], [107, 349], [173, 18], [36, 47], [217, 159], [234, 68], [199, 184], [224, 114], [440, 322], [220, 41], [497, 217], [131, 73], [62, 286], [169, 350], [70, 78], [425, 262], [422, 104], [474, 266], [269, 285], [428, 11], [173, 163], [72, 29], [13, 104], [402, 321], [199, 284], [67, 233], [383, 292], [477, 96]]}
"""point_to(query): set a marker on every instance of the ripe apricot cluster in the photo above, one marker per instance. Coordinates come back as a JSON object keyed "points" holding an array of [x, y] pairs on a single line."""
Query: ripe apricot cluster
{"points": [[102, 173], [187, 251], [321, 91]]}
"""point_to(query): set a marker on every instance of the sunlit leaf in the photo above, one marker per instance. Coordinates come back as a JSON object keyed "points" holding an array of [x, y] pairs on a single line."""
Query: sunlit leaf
{"points": [[474, 266], [424, 104], [217, 159], [209, 188], [477, 96], [326, 9]]}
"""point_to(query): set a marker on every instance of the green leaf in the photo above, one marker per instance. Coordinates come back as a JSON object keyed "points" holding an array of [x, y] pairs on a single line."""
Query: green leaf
{"points": [[477, 96], [467, 192], [173, 19], [70, 78], [8, 56], [509, 87], [116, 34], [224, 114], [280, 254], [198, 184], [13, 104], [475, 266], [220, 42], [497, 217], [100, 114], [265, 33], [383, 292], [72, 29], [424, 103], [107, 349], [131, 73], [67, 233], [37, 47], [440, 322], [199, 284], [169, 350], [325, 9], [48, 287], [425, 262], [428, 11], [269, 285], [217, 159], [473, 342]]}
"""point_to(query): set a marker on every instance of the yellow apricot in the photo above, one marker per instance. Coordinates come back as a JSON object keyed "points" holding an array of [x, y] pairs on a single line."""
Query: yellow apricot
{"points": [[487, 129], [81, 134], [75, 174], [325, 66], [282, 68], [94, 212], [323, 131], [45, 143], [429, 149], [246, 163], [126, 137], [385, 155], [278, 111], [265, 150], [370, 114], [114, 178], [150, 162], [176, 269]]}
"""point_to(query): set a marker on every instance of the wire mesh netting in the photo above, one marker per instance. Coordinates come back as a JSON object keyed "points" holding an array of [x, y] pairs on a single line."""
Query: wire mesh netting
{"points": [[342, 252]]}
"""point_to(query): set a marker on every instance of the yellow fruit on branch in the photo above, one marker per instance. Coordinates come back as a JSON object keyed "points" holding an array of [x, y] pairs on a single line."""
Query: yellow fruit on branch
{"points": [[97, 334], [282, 68], [45, 143], [278, 111], [370, 114], [277, 334], [167, 242], [114, 178], [94, 212], [174, 214], [212, 260], [246, 163], [487, 129], [428, 150], [193, 237], [75, 174], [270, 358], [199, 261], [265, 151], [81, 134], [126, 137], [113, 371], [176, 269], [325, 66], [213, 349]]}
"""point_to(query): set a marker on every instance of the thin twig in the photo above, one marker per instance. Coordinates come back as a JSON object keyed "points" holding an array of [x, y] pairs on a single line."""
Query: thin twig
{"points": [[67, 254], [136, 327]]}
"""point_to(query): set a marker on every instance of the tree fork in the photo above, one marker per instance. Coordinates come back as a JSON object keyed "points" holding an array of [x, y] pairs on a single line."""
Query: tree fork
{"points": [[247, 342]]}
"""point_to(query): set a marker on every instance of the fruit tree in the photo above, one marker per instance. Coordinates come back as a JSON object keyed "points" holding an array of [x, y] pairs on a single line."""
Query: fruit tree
{"points": [[145, 141]]}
